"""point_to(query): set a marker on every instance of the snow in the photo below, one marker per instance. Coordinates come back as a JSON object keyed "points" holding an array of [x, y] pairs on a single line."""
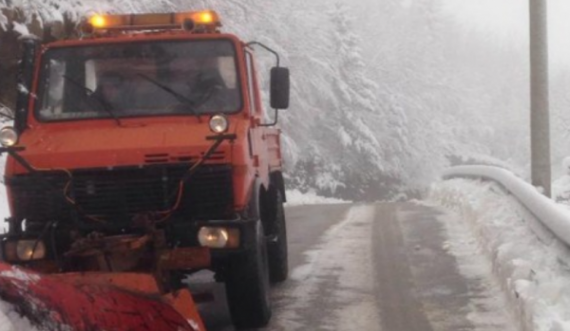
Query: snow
{"points": [[561, 186], [21, 29], [475, 266], [366, 112], [3, 21], [298, 198], [193, 324], [10, 320], [561, 189], [347, 267], [54, 11], [530, 263], [20, 275], [554, 216], [390, 115]]}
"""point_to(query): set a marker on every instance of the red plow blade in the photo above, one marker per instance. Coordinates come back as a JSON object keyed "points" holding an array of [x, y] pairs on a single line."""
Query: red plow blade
{"points": [[100, 302]]}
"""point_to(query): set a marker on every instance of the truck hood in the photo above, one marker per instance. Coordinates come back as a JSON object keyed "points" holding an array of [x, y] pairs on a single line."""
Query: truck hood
{"points": [[113, 146]]}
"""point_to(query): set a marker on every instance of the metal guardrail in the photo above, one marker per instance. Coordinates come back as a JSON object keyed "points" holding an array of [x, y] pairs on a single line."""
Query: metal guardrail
{"points": [[555, 217]]}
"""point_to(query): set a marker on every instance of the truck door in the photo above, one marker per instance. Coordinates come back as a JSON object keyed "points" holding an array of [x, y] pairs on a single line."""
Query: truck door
{"points": [[257, 136]]}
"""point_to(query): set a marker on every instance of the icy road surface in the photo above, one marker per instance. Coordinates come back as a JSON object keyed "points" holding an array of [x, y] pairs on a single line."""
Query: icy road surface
{"points": [[379, 267]]}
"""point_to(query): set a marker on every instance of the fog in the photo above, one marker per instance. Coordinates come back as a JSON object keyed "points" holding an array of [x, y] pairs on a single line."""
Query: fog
{"points": [[387, 93]]}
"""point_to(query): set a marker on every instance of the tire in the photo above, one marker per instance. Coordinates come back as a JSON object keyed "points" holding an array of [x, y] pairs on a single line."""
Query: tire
{"points": [[277, 246], [247, 285]]}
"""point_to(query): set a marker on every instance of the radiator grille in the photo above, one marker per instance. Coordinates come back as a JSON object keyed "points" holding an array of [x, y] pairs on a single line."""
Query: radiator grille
{"points": [[119, 194]]}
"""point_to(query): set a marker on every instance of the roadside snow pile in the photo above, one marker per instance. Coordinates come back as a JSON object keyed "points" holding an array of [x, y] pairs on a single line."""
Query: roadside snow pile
{"points": [[561, 186], [298, 198], [529, 261]]}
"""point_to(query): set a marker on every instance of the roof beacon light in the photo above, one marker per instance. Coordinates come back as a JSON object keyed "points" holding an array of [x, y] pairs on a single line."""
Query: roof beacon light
{"points": [[97, 21], [205, 17], [206, 21]]}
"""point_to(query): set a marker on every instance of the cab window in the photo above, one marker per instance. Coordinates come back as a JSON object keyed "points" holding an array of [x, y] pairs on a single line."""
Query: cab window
{"points": [[139, 79]]}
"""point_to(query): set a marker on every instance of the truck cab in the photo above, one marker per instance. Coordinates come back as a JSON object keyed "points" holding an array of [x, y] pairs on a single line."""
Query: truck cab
{"points": [[144, 146]]}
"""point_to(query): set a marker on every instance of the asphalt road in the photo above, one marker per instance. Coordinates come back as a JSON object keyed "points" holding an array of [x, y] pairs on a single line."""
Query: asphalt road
{"points": [[368, 267]]}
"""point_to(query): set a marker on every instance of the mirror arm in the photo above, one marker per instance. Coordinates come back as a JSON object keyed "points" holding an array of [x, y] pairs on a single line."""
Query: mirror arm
{"points": [[274, 122], [267, 48]]}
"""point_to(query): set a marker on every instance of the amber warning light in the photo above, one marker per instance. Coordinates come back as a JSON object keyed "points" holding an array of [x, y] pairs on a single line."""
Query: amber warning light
{"points": [[200, 21]]}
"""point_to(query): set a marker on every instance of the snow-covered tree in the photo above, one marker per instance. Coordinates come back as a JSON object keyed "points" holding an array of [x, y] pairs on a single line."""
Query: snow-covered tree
{"points": [[23, 17], [379, 104], [56, 10], [355, 156]]}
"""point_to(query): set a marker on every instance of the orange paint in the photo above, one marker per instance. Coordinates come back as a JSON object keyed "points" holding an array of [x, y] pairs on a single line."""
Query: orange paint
{"points": [[139, 142]]}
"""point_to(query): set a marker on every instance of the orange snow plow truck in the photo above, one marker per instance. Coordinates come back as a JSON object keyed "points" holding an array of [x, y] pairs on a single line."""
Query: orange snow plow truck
{"points": [[140, 154]]}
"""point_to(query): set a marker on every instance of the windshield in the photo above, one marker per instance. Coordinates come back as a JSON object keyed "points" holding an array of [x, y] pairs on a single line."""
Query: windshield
{"points": [[139, 79]]}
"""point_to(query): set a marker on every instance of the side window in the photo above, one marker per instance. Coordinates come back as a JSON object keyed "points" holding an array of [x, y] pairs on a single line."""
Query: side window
{"points": [[227, 68], [55, 85], [91, 75], [250, 84]]}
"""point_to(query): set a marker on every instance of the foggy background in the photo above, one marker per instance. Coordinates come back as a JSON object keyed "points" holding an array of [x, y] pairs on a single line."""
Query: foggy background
{"points": [[385, 93]]}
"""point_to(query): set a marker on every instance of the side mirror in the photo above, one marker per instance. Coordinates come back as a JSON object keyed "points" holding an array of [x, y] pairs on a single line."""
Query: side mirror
{"points": [[279, 88]]}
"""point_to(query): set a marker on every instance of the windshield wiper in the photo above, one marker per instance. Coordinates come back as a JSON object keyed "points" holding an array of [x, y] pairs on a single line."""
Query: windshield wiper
{"points": [[6, 112], [182, 99], [92, 96]]}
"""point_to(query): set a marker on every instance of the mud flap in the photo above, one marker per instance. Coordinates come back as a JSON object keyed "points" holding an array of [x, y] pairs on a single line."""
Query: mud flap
{"points": [[84, 302]]}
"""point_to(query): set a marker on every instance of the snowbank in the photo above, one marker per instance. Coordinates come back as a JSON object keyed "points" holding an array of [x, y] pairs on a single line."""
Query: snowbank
{"points": [[561, 190], [297, 198], [553, 215], [561, 186], [528, 260]]}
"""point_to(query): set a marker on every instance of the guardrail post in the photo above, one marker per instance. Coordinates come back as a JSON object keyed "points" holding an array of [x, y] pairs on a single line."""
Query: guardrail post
{"points": [[539, 118]]}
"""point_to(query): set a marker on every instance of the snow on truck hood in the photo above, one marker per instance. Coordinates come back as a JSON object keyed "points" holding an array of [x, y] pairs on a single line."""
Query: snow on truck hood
{"points": [[111, 146]]}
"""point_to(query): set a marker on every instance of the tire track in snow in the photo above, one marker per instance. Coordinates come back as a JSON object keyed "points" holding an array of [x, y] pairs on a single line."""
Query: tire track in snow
{"points": [[335, 288]]}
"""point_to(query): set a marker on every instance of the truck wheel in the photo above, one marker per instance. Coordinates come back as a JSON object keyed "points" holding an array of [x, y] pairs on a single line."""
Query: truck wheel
{"points": [[247, 285], [277, 246]]}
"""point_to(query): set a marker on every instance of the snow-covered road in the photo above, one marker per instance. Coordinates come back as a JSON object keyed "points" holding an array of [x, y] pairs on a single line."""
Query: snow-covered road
{"points": [[387, 267], [531, 263], [449, 264]]}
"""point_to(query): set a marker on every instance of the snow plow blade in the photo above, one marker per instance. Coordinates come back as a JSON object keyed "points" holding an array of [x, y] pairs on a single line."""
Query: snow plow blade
{"points": [[96, 301]]}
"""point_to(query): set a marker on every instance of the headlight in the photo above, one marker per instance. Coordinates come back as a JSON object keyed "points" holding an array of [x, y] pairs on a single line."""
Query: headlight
{"points": [[8, 136], [214, 237], [24, 250], [219, 124]]}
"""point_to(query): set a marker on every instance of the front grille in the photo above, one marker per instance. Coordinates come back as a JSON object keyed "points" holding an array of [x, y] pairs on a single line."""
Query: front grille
{"points": [[156, 158], [119, 194]]}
